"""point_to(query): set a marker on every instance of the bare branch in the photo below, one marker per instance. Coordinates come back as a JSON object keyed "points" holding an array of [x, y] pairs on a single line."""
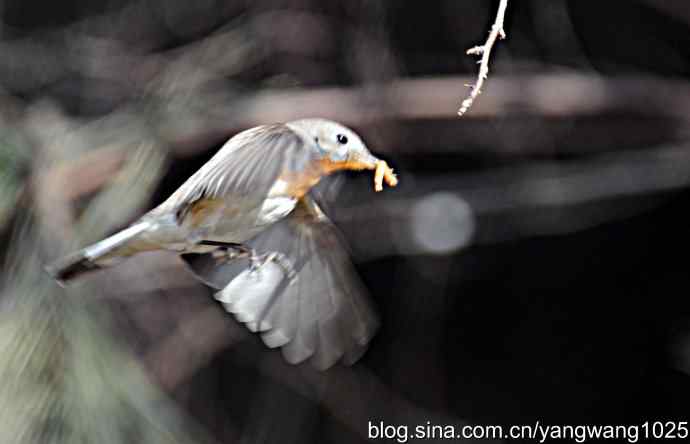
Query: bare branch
{"points": [[484, 50]]}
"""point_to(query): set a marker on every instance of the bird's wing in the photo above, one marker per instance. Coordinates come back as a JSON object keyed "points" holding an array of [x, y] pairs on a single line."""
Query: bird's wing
{"points": [[247, 166], [324, 315]]}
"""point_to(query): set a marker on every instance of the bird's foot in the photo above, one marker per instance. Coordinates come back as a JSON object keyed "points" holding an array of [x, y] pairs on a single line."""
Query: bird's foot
{"points": [[231, 251], [259, 260], [228, 251]]}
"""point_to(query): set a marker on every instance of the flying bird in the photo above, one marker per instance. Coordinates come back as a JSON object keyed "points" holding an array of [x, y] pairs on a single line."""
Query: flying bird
{"points": [[246, 224]]}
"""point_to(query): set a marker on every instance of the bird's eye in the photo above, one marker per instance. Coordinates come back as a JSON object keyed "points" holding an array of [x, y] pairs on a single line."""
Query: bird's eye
{"points": [[342, 139]]}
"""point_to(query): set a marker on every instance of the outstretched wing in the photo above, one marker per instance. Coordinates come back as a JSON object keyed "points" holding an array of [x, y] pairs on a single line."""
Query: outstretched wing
{"points": [[246, 167], [324, 315]]}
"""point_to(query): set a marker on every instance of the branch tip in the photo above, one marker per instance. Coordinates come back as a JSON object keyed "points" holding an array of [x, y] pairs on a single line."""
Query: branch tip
{"points": [[497, 32]]}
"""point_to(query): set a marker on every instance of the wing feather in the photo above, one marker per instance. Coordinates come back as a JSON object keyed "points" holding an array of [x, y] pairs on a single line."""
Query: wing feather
{"points": [[246, 167], [325, 316]]}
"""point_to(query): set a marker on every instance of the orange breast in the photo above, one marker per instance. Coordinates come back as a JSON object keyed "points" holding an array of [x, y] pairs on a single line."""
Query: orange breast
{"points": [[299, 183]]}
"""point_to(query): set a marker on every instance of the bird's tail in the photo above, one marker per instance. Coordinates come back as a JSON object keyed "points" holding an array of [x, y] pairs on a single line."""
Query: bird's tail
{"points": [[102, 254]]}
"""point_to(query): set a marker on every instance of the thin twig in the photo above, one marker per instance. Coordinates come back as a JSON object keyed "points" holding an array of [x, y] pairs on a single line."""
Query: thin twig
{"points": [[485, 51]]}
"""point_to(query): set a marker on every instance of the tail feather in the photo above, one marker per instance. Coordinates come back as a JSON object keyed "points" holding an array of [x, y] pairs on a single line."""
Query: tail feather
{"points": [[100, 255], [72, 266]]}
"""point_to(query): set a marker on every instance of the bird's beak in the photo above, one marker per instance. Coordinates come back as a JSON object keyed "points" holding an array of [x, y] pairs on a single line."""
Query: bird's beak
{"points": [[364, 159]]}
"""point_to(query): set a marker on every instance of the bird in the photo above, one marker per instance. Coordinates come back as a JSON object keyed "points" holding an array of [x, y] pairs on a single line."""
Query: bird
{"points": [[248, 225]]}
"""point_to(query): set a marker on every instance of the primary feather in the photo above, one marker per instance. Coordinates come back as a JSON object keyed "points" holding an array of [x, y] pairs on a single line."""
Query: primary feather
{"points": [[247, 166], [325, 315]]}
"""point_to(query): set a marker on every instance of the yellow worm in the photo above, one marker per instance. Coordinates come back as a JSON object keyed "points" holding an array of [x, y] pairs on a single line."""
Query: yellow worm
{"points": [[383, 171]]}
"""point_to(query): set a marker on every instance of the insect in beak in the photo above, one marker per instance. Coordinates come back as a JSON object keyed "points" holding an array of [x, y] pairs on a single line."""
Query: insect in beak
{"points": [[365, 160]]}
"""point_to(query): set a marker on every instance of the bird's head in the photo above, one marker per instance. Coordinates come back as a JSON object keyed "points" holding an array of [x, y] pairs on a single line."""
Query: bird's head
{"points": [[340, 148], [336, 143]]}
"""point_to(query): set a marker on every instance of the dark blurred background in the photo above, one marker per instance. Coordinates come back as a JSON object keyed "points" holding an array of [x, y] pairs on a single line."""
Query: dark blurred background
{"points": [[532, 264]]}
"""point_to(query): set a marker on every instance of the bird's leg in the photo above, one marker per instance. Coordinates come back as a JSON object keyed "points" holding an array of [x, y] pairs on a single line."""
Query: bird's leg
{"points": [[240, 251], [231, 250], [279, 259]]}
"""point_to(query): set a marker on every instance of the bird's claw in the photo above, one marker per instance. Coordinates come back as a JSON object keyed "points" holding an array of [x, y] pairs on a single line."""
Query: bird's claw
{"points": [[231, 251], [258, 261]]}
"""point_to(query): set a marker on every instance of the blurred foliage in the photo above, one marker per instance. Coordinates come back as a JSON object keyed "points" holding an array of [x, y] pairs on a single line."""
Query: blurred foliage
{"points": [[65, 379], [14, 156], [130, 188]]}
